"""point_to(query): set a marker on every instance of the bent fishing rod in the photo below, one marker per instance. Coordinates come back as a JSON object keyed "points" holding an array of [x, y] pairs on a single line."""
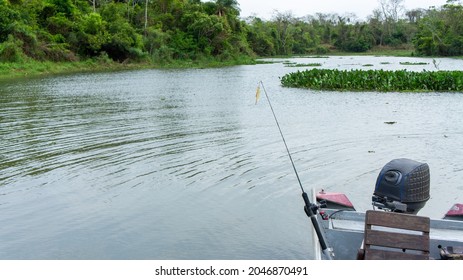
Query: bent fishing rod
{"points": [[310, 208]]}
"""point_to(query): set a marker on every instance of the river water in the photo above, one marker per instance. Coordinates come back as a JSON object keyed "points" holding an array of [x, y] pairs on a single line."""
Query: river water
{"points": [[182, 164]]}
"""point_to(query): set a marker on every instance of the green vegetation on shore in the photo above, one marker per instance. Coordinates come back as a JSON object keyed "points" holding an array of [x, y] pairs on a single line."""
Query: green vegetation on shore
{"points": [[33, 68], [52, 36], [37, 68], [375, 80]]}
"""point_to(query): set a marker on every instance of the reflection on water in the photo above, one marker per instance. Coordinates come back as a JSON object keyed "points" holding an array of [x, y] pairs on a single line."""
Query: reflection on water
{"points": [[182, 165]]}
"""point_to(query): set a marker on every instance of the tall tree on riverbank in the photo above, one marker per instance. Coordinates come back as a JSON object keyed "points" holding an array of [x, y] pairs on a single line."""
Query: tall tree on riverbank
{"points": [[283, 23], [440, 31], [386, 22], [225, 7]]}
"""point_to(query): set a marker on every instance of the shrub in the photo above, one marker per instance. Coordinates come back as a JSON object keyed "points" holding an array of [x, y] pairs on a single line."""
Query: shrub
{"points": [[11, 50]]}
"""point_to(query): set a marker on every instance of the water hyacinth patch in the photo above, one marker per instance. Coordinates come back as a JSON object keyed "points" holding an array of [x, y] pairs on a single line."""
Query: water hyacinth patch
{"points": [[304, 65], [375, 80], [413, 63]]}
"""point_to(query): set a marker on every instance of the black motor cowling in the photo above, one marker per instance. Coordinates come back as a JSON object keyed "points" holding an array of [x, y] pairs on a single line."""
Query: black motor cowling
{"points": [[402, 186]]}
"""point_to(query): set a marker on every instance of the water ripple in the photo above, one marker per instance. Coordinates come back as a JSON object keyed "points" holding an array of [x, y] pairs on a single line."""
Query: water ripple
{"points": [[113, 165]]}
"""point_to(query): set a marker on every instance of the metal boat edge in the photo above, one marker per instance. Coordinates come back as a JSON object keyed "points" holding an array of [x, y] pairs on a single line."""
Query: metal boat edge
{"points": [[343, 229]]}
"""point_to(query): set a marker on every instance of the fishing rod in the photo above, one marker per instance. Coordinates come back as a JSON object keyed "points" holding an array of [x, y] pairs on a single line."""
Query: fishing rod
{"points": [[310, 208]]}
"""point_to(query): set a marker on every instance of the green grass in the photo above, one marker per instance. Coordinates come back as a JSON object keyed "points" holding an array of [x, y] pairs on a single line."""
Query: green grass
{"points": [[44, 68], [31, 68]]}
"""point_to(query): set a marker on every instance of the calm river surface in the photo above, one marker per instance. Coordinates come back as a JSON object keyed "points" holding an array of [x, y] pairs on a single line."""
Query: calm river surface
{"points": [[181, 164]]}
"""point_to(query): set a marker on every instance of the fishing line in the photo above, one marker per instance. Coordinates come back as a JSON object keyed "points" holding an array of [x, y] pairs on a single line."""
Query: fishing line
{"points": [[282, 136], [310, 208]]}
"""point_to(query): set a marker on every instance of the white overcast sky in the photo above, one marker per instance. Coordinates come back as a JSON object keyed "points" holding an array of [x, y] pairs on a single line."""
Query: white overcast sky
{"points": [[362, 8]]}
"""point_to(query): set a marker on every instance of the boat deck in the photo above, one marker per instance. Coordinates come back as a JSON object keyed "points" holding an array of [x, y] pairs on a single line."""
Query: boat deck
{"points": [[344, 234]]}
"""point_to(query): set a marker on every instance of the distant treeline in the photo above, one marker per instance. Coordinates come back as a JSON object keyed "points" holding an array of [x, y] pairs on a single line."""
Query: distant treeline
{"points": [[166, 30]]}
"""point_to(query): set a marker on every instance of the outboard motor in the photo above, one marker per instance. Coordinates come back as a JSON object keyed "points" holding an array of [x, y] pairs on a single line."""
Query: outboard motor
{"points": [[402, 186]]}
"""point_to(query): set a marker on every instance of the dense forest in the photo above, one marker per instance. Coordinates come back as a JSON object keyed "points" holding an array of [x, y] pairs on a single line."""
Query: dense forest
{"points": [[162, 31]]}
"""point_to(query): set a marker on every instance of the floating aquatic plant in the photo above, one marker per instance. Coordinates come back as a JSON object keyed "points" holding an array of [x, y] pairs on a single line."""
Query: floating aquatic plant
{"points": [[318, 56], [304, 65], [413, 63], [375, 80]]}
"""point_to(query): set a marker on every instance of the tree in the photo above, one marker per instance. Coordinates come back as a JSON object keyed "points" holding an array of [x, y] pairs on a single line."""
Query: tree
{"points": [[7, 17], [259, 37], [93, 2], [125, 42], [146, 14], [415, 15], [225, 7], [391, 9], [377, 27], [93, 35], [282, 34], [205, 28], [440, 31], [305, 38]]}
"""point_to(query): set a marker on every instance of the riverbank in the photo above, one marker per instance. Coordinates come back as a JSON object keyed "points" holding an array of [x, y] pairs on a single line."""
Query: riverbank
{"points": [[32, 68], [377, 51]]}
